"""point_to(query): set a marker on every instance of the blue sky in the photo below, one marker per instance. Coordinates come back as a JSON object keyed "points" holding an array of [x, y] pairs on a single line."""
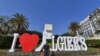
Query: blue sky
{"points": [[60, 13]]}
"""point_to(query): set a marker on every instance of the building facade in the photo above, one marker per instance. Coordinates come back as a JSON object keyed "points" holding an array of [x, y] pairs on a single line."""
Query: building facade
{"points": [[91, 24]]}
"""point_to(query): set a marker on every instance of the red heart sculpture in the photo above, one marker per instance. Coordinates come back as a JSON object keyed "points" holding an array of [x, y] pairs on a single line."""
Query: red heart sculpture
{"points": [[28, 42]]}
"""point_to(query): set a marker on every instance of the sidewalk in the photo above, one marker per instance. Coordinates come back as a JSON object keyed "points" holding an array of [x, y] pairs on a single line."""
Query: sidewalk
{"points": [[63, 53], [90, 52]]}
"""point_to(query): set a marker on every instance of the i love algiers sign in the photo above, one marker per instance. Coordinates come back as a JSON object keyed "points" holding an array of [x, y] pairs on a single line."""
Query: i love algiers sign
{"points": [[64, 43]]}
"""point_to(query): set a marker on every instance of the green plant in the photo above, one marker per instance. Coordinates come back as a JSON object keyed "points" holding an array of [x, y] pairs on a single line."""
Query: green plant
{"points": [[74, 27], [19, 23], [6, 41], [93, 42]]}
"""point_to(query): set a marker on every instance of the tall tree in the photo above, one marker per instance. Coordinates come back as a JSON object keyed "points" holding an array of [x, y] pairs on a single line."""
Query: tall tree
{"points": [[66, 34], [1, 22], [4, 24], [19, 23], [74, 27]]}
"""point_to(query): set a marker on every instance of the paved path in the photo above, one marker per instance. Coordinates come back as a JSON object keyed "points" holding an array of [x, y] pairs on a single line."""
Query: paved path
{"points": [[63, 53], [90, 52]]}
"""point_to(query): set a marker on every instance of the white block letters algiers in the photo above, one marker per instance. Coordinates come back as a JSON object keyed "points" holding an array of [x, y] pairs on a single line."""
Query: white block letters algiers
{"points": [[64, 43]]}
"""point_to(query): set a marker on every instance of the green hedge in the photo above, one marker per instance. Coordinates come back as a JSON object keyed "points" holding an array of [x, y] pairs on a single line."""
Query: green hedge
{"points": [[6, 41], [93, 43]]}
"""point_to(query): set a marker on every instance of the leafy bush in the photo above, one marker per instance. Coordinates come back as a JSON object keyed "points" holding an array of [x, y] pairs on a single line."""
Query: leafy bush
{"points": [[5, 41], [93, 43]]}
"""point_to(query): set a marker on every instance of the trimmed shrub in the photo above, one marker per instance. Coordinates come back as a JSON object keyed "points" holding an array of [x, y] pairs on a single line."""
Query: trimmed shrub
{"points": [[93, 43], [6, 41]]}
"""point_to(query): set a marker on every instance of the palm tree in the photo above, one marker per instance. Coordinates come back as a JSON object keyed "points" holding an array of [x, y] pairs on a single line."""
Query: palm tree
{"points": [[74, 27], [19, 23]]}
